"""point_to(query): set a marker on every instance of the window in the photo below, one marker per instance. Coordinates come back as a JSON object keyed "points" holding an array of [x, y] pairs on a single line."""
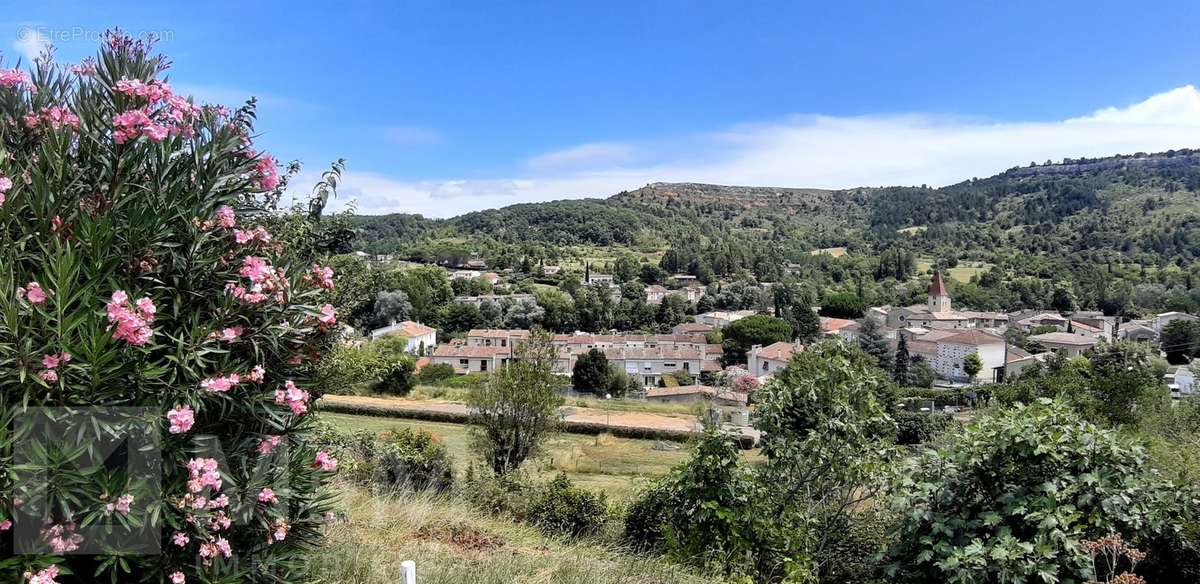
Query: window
{"points": [[766, 366], [483, 364], [462, 362], [687, 366]]}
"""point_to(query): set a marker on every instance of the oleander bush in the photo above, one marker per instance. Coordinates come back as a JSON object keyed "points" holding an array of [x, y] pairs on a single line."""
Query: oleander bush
{"points": [[149, 284], [560, 508]]}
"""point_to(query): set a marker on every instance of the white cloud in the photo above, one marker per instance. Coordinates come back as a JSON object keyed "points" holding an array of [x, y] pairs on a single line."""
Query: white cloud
{"points": [[29, 44], [582, 156], [803, 151]]}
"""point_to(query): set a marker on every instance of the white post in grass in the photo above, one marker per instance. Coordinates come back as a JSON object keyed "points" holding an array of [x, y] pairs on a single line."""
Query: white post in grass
{"points": [[409, 568]]}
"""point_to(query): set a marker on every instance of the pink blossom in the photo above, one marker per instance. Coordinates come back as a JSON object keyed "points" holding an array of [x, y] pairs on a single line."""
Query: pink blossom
{"points": [[323, 276], [14, 78], [87, 67], [5, 525], [256, 235], [5, 184], [132, 325], [293, 397], [56, 117], [120, 506], [181, 419], [32, 292], [226, 217], [221, 384], [180, 539], [178, 578], [223, 546], [156, 132], [325, 462], [203, 473], [269, 444], [50, 361], [219, 502], [49, 376], [327, 318], [281, 529], [256, 269], [62, 538], [267, 496], [268, 175], [256, 374], [46, 576], [231, 333]]}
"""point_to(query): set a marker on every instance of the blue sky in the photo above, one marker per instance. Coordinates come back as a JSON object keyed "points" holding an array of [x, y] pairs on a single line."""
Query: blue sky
{"points": [[444, 107]]}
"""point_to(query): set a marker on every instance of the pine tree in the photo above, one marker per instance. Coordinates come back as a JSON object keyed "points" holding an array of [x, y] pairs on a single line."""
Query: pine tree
{"points": [[871, 340]]}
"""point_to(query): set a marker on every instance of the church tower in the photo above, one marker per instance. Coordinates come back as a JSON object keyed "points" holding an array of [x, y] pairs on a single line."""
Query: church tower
{"points": [[939, 300]]}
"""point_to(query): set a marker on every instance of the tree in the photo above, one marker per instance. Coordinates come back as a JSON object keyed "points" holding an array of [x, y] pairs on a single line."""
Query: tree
{"points": [[872, 341], [460, 317], [1011, 496], [153, 287], [525, 314], [391, 307], [759, 329], [972, 364], [1180, 341], [592, 372], [805, 322], [901, 363], [1122, 384], [920, 374], [514, 411], [1063, 300], [843, 305]]}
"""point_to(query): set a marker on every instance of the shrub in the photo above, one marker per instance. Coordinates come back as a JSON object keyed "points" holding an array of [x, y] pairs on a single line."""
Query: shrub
{"points": [[1012, 497], [561, 508], [144, 264], [374, 366], [412, 460], [855, 542], [435, 373], [919, 427]]}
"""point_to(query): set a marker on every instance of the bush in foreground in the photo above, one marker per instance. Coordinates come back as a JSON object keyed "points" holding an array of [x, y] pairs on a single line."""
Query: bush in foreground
{"points": [[137, 271]]}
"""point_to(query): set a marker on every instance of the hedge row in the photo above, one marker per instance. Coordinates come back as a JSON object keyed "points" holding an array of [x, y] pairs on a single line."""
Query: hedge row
{"points": [[573, 427]]}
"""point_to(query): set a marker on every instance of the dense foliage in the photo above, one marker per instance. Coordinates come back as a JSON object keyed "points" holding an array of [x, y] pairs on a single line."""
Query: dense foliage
{"points": [[145, 298]]}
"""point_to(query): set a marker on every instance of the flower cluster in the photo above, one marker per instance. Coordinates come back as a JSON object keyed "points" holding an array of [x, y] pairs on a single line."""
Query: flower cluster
{"points": [[62, 538], [132, 320], [202, 472], [281, 530], [293, 397], [181, 419], [226, 218], [55, 117], [121, 505], [321, 276], [251, 236], [221, 384], [269, 444], [265, 280], [14, 78], [327, 317], [5, 184], [173, 118], [325, 462], [268, 175], [32, 292], [267, 496], [51, 363], [229, 334], [46, 576]]}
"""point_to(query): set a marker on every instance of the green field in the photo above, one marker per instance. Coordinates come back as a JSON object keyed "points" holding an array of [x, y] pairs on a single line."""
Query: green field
{"points": [[452, 543], [606, 463], [961, 273]]}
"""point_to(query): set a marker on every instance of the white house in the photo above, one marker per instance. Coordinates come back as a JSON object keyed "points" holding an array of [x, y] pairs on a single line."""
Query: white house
{"points": [[1181, 380], [765, 361], [953, 349], [1161, 321], [420, 337], [1071, 345], [600, 279], [719, 319]]}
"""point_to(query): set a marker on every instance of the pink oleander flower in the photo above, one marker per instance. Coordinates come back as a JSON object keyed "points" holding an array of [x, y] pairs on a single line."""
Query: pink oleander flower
{"points": [[87, 67], [256, 269], [268, 175], [256, 235], [180, 539], [49, 376], [226, 217], [14, 78], [132, 324], [281, 530], [327, 318], [203, 473], [322, 276], [178, 578], [256, 374], [130, 124], [56, 117], [230, 333], [5, 184], [325, 462], [221, 384], [219, 502], [5, 525], [121, 505], [267, 496], [269, 444], [293, 397], [181, 419], [223, 547], [46, 576], [50, 361], [32, 292], [62, 538]]}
